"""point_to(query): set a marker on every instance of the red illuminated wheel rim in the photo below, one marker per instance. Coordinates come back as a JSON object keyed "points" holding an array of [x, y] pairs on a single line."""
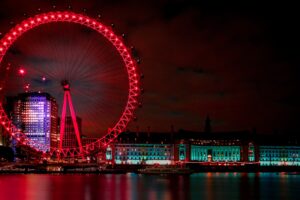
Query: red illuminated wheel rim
{"points": [[130, 64]]}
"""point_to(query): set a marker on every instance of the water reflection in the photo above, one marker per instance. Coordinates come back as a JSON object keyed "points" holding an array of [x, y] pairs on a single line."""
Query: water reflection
{"points": [[132, 186]]}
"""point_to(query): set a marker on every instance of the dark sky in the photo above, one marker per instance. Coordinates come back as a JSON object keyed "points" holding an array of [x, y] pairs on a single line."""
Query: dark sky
{"points": [[239, 64]]}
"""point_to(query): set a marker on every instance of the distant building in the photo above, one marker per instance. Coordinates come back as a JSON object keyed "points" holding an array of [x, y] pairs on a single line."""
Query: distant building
{"points": [[54, 141], [279, 155], [217, 148], [87, 140], [36, 115], [142, 154], [69, 139], [182, 146], [142, 148]]}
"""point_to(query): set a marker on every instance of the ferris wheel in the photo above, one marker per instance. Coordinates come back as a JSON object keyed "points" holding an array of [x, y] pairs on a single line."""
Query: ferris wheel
{"points": [[128, 71]]}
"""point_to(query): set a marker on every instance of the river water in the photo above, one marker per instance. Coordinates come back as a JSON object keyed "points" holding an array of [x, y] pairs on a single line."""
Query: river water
{"points": [[133, 186]]}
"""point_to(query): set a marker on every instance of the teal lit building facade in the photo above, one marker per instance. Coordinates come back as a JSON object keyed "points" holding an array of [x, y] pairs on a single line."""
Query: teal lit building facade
{"points": [[182, 152], [141, 154], [279, 155], [237, 148], [215, 153], [251, 152]]}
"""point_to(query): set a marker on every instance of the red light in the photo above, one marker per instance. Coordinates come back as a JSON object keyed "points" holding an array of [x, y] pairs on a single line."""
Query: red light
{"points": [[21, 71], [27, 86], [43, 78]]}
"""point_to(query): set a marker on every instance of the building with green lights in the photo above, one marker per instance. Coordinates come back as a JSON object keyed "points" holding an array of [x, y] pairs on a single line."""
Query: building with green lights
{"points": [[279, 155], [182, 146], [238, 148], [215, 153], [142, 148], [143, 154]]}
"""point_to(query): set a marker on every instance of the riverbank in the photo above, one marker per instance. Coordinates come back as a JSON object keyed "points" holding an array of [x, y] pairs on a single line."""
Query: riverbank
{"points": [[119, 169]]}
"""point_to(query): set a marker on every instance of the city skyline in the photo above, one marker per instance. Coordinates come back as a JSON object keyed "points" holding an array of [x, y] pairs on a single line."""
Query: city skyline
{"points": [[168, 99], [230, 63]]}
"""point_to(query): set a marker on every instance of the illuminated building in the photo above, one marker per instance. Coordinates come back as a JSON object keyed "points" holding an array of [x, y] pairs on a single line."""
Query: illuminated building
{"points": [[216, 153], [279, 150], [141, 148], [251, 152], [142, 153], [214, 147], [55, 138], [182, 146], [182, 152], [279, 155], [36, 115], [69, 139]]}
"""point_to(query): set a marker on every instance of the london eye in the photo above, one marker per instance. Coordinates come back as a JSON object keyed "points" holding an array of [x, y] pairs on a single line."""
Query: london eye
{"points": [[42, 51]]}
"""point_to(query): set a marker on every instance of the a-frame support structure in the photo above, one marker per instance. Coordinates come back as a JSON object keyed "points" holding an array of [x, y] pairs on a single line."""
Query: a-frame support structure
{"points": [[68, 100]]}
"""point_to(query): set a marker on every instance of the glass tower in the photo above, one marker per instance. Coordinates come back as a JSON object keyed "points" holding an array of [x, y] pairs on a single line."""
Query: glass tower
{"points": [[36, 115]]}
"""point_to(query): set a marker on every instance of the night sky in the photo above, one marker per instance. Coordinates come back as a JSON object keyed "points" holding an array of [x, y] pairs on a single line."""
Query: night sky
{"points": [[239, 64]]}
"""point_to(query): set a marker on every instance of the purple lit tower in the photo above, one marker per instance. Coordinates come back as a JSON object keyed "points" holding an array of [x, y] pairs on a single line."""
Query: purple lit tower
{"points": [[36, 115]]}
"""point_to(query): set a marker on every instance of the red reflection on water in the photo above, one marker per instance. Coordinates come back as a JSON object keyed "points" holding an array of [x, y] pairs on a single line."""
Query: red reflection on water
{"points": [[133, 186]]}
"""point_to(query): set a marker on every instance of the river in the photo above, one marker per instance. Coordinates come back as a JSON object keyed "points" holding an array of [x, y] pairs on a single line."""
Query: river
{"points": [[132, 186]]}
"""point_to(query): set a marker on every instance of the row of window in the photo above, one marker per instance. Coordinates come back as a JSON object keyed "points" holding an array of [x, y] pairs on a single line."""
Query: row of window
{"points": [[143, 158], [144, 149], [143, 154]]}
